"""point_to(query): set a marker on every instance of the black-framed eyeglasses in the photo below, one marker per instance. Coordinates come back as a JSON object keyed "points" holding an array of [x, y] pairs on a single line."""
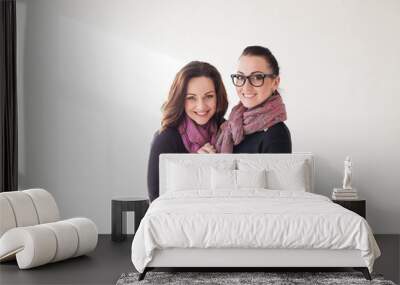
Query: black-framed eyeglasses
{"points": [[256, 79]]}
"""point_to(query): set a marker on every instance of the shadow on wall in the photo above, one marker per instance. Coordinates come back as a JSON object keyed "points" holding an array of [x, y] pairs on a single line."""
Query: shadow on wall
{"points": [[21, 181], [87, 111], [327, 176]]}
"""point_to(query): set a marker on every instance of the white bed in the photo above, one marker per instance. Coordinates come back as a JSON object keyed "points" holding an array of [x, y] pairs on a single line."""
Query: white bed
{"points": [[225, 217]]}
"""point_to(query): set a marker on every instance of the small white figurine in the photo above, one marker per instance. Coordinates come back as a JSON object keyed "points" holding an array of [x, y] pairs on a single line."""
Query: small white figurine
{"points": [[347, 173]]}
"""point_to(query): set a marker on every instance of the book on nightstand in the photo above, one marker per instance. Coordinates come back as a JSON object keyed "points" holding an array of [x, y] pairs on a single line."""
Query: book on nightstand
{"points": [[344, 194]]}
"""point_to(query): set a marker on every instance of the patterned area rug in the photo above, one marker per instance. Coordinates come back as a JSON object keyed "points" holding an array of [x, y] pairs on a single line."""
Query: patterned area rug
{"points": [[270, 278]]}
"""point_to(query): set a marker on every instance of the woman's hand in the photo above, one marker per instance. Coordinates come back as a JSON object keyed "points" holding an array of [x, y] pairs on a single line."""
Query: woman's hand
{"points": [[207, 148]]}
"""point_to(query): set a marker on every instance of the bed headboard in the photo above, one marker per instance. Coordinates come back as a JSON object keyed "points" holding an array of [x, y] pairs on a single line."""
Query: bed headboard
{"points": [[166, 158]]}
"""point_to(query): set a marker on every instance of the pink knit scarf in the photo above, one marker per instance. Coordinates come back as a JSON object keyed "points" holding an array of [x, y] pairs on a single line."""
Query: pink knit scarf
{"points": [[243, 121], [194, 136]]}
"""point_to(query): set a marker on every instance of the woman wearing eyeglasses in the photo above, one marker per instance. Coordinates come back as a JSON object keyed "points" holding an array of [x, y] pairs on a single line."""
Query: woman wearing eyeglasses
{"points": [[191, 116], [256, 124]]}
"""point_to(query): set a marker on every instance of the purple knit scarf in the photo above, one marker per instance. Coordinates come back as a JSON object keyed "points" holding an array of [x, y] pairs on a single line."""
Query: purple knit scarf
{"points": [[194, 136]]}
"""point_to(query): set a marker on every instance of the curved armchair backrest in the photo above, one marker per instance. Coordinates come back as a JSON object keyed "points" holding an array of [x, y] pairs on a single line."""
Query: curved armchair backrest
{"points": [[27, 208]]}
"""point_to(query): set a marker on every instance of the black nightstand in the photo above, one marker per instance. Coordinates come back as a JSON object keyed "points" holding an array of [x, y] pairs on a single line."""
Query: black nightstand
{"points": [[357, 206], [119, 207]]}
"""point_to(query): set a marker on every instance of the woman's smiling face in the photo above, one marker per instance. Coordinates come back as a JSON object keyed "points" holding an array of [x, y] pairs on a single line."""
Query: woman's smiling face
{"points": [[249, 95], [201, 99]]}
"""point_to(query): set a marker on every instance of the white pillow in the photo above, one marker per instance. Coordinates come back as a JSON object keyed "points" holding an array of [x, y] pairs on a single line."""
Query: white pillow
{"points": [[292, 178], [251, 178], [185, 175], [223, 179], [291, 175]]}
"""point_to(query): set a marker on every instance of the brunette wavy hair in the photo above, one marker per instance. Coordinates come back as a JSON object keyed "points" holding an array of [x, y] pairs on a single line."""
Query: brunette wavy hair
{"points": [[173, 109]]}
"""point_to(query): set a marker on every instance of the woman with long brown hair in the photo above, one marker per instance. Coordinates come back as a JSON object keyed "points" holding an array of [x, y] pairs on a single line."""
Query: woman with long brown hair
{"points": [[195, 108]]}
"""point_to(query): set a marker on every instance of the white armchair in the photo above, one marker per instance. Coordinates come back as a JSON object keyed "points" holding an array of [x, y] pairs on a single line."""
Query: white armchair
{"points": [[31, 230]]}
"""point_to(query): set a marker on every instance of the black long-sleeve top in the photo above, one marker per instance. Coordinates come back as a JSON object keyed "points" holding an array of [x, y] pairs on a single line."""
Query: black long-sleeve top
{"points": [[275, 139], [167, 141]]}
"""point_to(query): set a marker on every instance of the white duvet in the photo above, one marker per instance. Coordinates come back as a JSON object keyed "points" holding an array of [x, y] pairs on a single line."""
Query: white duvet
{"points": [[252, 218]]}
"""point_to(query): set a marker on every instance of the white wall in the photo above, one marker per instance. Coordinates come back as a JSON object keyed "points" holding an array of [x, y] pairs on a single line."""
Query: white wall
{"points": [[94, 73]]}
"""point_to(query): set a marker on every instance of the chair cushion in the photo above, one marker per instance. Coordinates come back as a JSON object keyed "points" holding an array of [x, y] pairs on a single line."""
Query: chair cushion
{"points": [[7, 220], [45, 205], [40, 244], [23, 208], [67, 237], [27, 208]]}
